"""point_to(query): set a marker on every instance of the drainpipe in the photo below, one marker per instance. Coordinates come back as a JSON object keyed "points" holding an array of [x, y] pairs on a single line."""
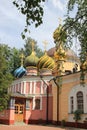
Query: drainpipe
{"points": [[57, 99]]}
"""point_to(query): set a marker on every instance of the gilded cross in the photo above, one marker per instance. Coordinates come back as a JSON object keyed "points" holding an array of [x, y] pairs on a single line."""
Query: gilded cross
{"points": [[32, 46], [22, 58], [60, 20], [45, 44]]}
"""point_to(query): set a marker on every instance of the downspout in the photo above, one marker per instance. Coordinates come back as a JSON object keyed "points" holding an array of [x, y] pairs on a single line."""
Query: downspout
{"points": [[57, 99]]}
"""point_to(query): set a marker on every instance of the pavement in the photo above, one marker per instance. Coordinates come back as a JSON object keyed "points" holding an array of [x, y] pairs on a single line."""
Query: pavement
{"points": [[34, 127]]}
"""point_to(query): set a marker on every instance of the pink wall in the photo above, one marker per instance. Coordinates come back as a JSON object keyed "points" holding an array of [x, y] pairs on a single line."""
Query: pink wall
{"points": [[27, 87], [38, 87], [7, 117], [41, 114], [27, 116], [4, 114]]}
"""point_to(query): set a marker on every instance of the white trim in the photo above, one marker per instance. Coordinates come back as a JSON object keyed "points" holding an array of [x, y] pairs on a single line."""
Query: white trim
{"points": [[34, 88], [41, 87], [24, 87], [32, 78], [33, 103], [73, 93]]}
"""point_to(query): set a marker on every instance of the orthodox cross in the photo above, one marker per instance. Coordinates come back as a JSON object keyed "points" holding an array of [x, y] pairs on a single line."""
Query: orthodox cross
{"points": [[45, 44], [33, 46], [60, 20]]}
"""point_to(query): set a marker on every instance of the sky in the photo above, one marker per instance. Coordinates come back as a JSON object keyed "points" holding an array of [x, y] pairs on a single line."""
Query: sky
{"points": [[12, 23]]}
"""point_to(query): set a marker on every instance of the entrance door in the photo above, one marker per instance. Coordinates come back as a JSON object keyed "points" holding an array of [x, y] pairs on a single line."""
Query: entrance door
{"points": [[19, 111]]}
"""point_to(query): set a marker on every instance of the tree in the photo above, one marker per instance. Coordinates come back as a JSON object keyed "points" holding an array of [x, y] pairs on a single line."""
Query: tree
{"points": [[12, 56], [5, 78], [76, 25], [33, 11], [15, 60], [28, 47]]}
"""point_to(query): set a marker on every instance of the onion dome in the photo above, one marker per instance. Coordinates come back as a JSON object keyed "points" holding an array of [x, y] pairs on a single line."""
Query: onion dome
{"points": [[31, 60], [56, 34], [70, 58], [59, 35], [60, 54], [45, 62], [70, 54], [19, 72]]}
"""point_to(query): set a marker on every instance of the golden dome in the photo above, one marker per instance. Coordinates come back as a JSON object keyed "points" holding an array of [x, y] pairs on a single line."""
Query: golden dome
{"points": [[31, 60], [45, 62], [70, 54], [70, 58], [60, 54], [60, 34]]}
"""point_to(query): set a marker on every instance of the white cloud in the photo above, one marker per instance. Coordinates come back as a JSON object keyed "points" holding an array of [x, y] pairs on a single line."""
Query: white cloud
{"points": [[12, 24], [8, 12], [58, 4]]}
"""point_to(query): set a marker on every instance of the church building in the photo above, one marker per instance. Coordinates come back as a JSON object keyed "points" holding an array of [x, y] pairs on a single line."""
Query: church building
{"points": [[29, 101], [40, 94]]}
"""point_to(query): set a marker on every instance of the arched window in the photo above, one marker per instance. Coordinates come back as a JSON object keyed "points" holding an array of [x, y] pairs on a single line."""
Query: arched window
{"points": [[80, 101]]}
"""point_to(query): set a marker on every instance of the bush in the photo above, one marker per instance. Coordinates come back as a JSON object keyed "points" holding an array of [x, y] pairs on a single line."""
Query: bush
{"points": [[77, 115], [63, 123]]}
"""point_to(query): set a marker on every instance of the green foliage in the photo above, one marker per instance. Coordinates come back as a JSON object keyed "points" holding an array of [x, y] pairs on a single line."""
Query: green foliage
{"points": [[76, 27], [63, 122], [32, 10], [28, 48], [12, 56], [77, 115], [15, 60], [5, 77], [60, 36]]}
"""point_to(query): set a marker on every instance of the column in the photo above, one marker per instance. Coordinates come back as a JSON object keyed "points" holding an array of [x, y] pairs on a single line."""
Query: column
{"points": [[24, 87], [34, 90]]}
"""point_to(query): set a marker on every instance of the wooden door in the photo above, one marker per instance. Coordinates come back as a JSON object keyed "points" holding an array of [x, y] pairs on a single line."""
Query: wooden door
{"points": [[19, 112]]}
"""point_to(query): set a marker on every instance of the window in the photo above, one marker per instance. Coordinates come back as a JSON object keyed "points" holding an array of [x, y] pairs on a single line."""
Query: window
{"points": [[37, 104], [27, 104], [72, 104], [16, 109], [80, 101], [11, 103]]}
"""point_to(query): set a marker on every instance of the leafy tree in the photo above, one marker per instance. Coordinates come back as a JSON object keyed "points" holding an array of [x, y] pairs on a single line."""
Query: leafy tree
{"points": [[6, 52], [12, 56], [5, 78], [76, 25], [32, 10], [28, 47], [15, 60]]}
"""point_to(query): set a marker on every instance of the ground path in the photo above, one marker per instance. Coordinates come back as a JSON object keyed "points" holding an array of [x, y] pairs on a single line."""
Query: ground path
{"points": [[33, 127]]}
